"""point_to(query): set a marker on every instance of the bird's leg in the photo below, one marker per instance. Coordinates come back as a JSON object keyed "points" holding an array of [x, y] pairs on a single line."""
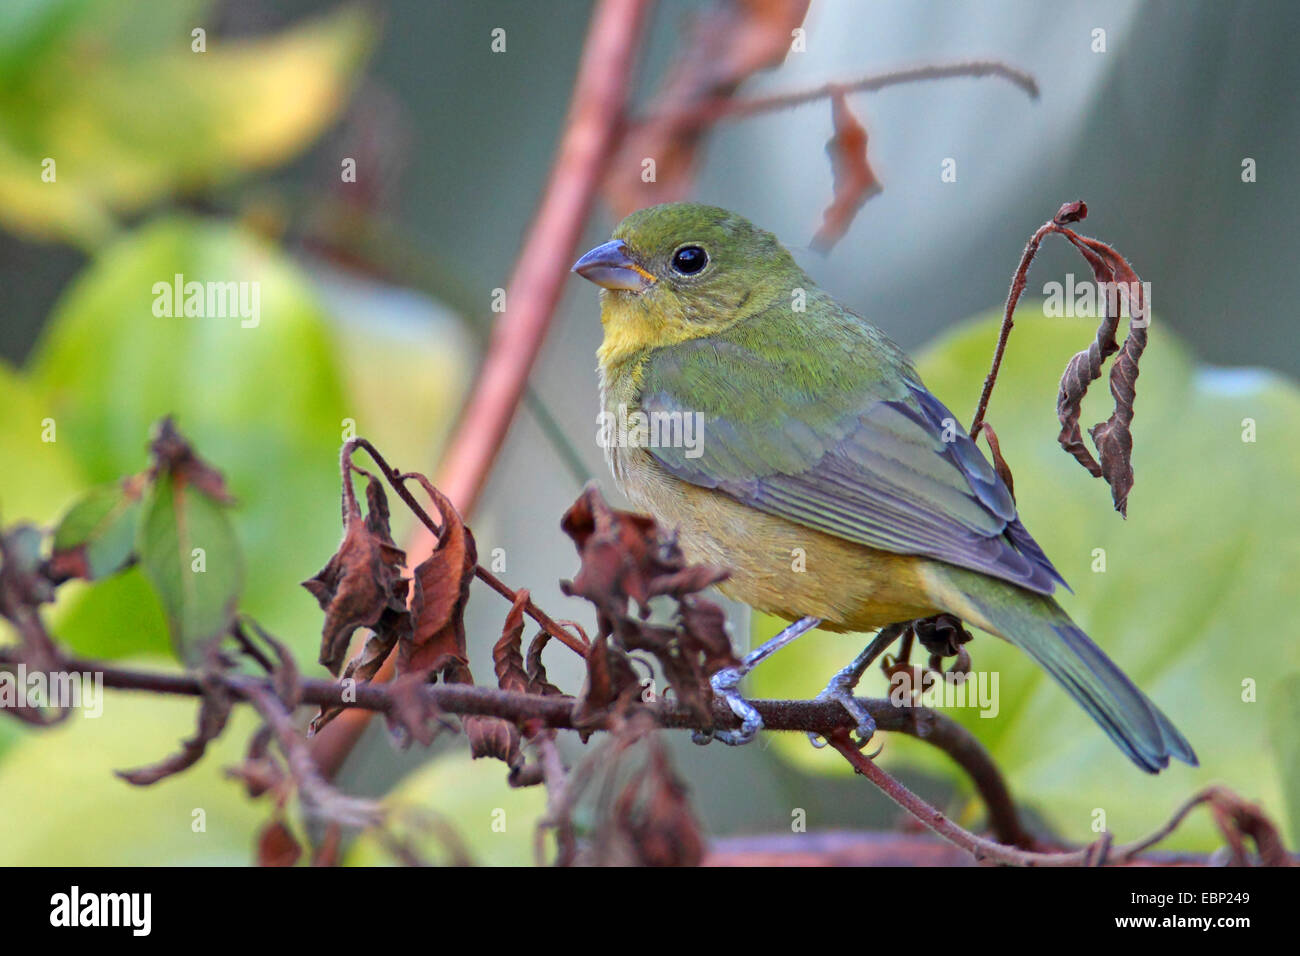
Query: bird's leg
{"points": [[726, 681], [841, 686]]}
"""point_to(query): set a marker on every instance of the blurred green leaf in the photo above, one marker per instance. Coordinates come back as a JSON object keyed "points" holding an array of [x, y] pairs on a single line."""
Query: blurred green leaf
{"points": [[454, 803], [265, 404], [1195, 582], [188, 552], [1284, 711], [40, 473], [55, 785], [100, 528], [129, 113]]}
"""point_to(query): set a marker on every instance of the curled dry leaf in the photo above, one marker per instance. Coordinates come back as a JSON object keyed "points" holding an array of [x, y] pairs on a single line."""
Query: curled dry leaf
{"points": [[537, 680], [627, 560], [214, 712], [172, 455], [1114, 438], [492, 736], [1121, 290], [362, 585], [1238, 821], [361, 669], [610, 678], [654, 816], [441, 590], [729, 42], [999, 463], [855, 181]]}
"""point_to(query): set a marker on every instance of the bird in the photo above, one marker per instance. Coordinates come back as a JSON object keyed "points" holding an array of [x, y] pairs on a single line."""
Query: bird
{"points": [[817, 437]]}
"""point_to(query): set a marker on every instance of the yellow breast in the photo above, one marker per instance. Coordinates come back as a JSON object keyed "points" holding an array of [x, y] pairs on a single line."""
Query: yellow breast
{"points": [[778, 567]]}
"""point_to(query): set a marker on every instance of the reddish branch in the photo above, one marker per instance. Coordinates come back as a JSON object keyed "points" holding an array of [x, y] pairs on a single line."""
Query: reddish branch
{"points": [[596, 113], [599, 103], [1235, 818], [1233, 815]]}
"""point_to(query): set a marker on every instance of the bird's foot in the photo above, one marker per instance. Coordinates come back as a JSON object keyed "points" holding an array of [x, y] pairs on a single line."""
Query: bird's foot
{"points": [[841, 689], [725, 683], [842, 684]]}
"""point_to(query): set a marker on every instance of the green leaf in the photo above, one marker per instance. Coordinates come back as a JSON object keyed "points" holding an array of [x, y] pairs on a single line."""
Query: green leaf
{"points": [[129, 113], [55, 786], [40, 472], [98, 532], [493, 823], [266, 405], [1284, 713], [1196, 581], [189, 553]]}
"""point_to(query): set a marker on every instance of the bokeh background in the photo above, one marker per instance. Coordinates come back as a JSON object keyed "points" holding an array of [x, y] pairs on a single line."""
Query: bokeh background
{"points": [[376, 300]]}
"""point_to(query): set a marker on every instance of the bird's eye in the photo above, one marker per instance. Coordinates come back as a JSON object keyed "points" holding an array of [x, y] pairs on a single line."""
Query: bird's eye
{"points": [[689, 260]]}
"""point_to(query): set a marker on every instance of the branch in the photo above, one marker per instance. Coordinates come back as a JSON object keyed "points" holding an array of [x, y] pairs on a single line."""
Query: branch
{"points": [[595, 119], [985, 850], [827, 718], [726, 108], [557, 712], [596, 116]]}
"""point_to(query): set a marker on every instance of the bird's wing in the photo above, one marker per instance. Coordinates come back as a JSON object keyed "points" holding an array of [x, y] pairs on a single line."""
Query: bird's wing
{"points": [[839, 435]]}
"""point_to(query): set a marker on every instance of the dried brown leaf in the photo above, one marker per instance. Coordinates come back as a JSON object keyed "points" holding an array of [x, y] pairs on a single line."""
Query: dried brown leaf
{"points": [[1113, 437], [999, 463], [655, 815], [729, 42], [855, 181], [214, 712], [362, 585], [440, 593], [172, 454], [625, 558], [277, 846], [537, 680]]}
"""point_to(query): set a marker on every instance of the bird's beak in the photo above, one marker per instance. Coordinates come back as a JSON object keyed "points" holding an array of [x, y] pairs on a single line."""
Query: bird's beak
{"points": [[610, 266]]}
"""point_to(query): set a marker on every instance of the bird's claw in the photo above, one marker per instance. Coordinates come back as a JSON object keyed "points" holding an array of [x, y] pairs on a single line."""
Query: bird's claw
{"points": [[724, 684], [841, 689]]}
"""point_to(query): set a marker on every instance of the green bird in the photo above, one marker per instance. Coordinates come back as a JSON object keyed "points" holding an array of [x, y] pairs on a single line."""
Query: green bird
{"points": [[819, 438]]}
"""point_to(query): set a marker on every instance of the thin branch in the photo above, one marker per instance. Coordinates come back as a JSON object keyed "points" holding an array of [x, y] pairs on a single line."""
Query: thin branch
{"points": [[595, 120], [728, 108], [398, 482], [986, 850], [1018, 280], [596, 117], [556, 712], [828, 718]]}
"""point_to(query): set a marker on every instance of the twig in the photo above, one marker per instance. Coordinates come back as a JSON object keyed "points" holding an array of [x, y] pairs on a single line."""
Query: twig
{"points": [[397, 480], [596, 117], [827, 718], [988, 850], [727, 108]]}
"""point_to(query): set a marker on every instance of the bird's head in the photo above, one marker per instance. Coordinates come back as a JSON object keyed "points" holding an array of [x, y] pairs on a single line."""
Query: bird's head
{"points": [[681, 271]]}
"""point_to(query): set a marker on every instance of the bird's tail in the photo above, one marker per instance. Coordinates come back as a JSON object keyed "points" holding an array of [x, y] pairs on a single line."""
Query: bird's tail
{"points": [[1037, 625]]}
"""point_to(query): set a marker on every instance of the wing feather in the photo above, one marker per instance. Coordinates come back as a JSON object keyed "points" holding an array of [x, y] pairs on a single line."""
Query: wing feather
{"points": [[872, 458]]}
